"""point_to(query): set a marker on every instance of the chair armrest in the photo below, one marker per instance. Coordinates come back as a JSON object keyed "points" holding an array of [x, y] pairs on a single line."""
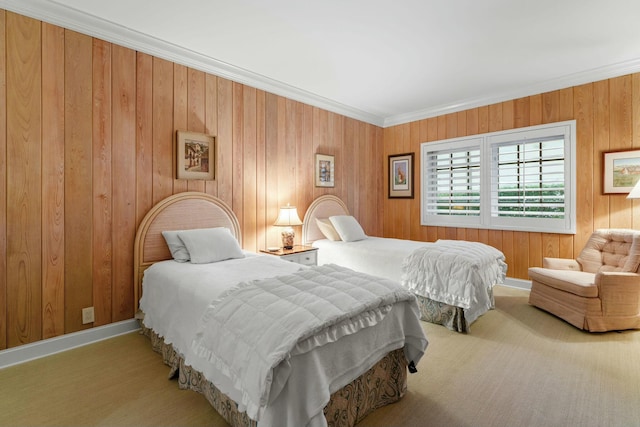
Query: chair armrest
{"points": [[561, 264], [619, 293]]}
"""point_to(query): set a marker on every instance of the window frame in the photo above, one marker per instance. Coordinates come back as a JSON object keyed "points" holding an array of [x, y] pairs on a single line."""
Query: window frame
{"points": [[486, 143]]}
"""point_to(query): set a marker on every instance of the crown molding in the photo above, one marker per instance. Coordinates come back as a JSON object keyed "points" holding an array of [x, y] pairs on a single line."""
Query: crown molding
{"points": [[91, 25], [576, 79]]}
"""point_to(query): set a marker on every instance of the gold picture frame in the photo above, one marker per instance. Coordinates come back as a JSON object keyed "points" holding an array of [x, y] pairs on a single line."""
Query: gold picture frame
{"points": [[621, 171], [325, 170], [195, 156], [401, 176]]}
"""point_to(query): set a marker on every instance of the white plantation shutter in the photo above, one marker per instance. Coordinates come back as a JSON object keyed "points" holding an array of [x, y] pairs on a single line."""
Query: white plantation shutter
{"points": [[452, 185], [520, 179]]}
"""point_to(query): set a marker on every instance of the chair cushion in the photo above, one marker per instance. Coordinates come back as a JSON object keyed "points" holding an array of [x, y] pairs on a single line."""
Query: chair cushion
{"points": [[611, 250], [580, 283]]}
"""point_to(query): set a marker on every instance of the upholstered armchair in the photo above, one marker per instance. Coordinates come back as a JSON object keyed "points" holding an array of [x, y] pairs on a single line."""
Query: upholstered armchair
{"points": [[599, 290]]}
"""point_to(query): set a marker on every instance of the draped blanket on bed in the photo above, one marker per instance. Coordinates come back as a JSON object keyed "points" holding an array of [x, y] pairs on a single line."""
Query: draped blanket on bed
{"points": [[455, 272], [251, 332]]}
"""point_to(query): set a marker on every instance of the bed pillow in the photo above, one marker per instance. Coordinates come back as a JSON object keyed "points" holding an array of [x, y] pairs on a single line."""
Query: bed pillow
{"points": [[177, 248], [348, 228], [327, 229], [206, 245]]}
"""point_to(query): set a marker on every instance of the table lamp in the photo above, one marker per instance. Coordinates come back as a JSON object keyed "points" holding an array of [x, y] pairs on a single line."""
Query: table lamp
{"points": [[635, 192], [287, 218]]}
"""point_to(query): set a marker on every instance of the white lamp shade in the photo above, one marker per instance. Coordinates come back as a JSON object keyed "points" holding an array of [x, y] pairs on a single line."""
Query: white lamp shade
{"points": [[287, 217], [635, 192]]}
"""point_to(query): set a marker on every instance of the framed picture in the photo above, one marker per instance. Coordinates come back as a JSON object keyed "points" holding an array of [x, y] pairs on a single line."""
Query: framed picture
{"points": [[401, 176], [195, 156], [621, 171], [325, 170]]}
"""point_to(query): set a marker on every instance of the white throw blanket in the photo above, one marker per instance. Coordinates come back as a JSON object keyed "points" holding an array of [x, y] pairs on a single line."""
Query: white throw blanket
{"points": [[252, 331], [454, 272]]}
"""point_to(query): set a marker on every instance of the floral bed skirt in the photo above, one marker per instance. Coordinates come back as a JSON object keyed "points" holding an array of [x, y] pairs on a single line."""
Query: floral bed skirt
{"points": [[384, 383], [443, 314]]}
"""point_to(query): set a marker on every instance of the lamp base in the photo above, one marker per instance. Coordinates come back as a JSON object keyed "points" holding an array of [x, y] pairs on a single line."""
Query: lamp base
{"points": [[287, 238]]}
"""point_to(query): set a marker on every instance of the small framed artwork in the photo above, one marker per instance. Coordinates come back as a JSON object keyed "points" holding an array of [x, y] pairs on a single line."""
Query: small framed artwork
{"points": [[621, 171], [325, 170], [401, 176], [195, 156]]}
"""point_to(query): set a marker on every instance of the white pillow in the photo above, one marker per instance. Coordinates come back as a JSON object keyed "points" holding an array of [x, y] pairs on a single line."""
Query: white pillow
{"points": [[178, 250], [207, 245], [348, 228], [327, 229]]}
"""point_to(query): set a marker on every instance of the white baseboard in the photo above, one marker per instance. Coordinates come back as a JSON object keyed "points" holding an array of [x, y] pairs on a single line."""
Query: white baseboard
{"points": [[36, 350], [517, 283]]}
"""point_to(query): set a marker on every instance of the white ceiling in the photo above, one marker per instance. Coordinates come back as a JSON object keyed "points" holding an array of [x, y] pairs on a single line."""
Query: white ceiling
{"points": [[383, 62]]}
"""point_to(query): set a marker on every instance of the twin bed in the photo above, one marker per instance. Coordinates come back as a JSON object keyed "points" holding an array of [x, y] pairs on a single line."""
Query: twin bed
{"points": [[453, 280], [197, 301]]}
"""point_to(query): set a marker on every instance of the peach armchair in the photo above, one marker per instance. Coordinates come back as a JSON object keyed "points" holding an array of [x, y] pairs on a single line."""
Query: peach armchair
{"points": [[599, 290]]}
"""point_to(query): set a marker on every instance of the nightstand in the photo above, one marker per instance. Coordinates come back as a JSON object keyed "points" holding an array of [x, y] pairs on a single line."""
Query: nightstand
{"points": [[306, 255]]}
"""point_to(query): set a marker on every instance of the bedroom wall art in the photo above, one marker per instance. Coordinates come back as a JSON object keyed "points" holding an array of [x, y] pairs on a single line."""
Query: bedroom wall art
{"points": [[401, 176], [195, 155], [621, 171], [325, 170]]}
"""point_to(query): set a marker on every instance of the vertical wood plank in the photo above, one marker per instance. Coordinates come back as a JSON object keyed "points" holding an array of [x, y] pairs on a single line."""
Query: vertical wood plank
{"points": [[620, 139], [600, 145], [263, 222], [124, 170], [306, 154], [3, 181], [211, 127], [250, 169], [102, 184], [535, 110], [237, 153], [144, 135], [78, 188], [550, 245], [271, 179], [24, 173], [52, 181], [535, 250], [180, 108], [508, 251], [195, 113], [585, 155], [163, 133], [635, 143], [225, 140]]}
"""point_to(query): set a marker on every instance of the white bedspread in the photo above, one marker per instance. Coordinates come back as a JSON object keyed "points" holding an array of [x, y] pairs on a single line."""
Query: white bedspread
{"points": [[252, 331], [374, 255], [457, 273], [175, 296], [387, 257]]}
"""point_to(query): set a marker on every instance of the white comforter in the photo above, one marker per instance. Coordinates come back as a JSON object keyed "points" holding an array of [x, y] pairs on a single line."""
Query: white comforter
{"points": [[457, 273], [387, 257], [253, 330], [175, 296], [374, 255]]}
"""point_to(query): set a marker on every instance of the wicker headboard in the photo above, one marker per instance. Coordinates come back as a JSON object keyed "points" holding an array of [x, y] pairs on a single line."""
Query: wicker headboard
{"points": [[322, 207], [182, 211]]}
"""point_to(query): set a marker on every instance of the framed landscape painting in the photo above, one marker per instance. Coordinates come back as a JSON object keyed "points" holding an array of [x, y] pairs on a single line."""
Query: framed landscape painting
{"points": [[621, 171]]}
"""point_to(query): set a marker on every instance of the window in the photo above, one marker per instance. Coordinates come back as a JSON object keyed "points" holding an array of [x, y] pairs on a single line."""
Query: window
{"points": [[520, 179]]}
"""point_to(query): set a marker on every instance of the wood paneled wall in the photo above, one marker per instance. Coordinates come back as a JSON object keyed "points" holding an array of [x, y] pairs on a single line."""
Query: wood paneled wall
{"points": [[87, 147], [608, 118]]}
